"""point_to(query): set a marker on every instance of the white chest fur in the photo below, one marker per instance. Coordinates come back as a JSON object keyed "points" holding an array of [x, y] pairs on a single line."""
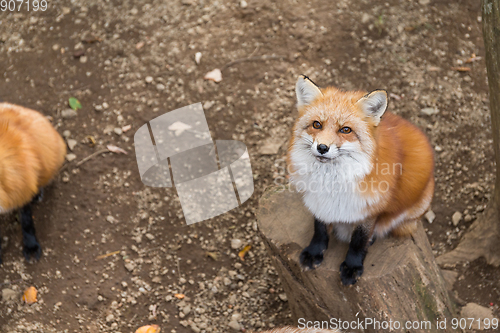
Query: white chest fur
{"points": [[332, 192], [333, 199]]}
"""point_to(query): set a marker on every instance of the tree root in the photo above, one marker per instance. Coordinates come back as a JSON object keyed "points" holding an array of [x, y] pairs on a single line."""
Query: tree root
{"points": [[481, 240]]}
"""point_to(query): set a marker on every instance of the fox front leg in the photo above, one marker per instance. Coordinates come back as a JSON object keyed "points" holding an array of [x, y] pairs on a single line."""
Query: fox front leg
{"points": [[312, 256], [31, 246], [352, 267]]}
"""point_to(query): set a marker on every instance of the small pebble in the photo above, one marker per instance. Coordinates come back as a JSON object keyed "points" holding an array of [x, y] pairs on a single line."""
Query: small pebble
{"points": [[236, 243], [70, 157], [71, 144], [429, 111], [186, 310], [457, 216], [430, 216], [197, 57], [68, 113], [207, 105], [130, 266], [8, 294], [234, 325]]}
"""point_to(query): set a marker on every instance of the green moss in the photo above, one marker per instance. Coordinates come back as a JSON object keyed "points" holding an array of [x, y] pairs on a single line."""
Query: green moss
{"points": [[428, 302]]}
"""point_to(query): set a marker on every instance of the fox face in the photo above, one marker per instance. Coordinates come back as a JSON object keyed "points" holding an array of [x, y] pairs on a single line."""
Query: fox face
{"points": [[335, 131]]}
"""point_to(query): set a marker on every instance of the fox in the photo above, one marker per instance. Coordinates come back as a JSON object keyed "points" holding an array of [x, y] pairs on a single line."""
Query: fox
{"points": [[362, 171], [31, 153]]}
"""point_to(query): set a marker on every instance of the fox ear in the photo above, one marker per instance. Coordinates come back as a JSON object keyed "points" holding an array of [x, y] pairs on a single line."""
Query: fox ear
{"points": [[306, 90], [374, 105]]}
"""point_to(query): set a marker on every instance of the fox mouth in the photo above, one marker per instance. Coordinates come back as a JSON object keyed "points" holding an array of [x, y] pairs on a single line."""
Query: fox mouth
{"points": [[323, 159]]}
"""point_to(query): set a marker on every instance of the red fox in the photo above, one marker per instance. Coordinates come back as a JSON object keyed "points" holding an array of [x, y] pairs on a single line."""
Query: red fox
{"points": [[367, 172], [31, 153]]}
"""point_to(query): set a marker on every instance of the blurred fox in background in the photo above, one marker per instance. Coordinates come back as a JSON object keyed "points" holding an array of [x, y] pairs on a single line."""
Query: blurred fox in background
{"points": [[31, 153]]}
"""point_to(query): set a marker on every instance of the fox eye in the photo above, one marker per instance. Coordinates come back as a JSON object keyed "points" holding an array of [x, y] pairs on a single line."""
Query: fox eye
{"points": [[317, 125], [345, 130]]}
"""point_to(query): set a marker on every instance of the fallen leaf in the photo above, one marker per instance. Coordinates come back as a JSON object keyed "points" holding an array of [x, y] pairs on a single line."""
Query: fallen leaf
{"points": [[107, 255], [29, 295], [91, 140], [215, 75], [115, 149], [433, 69], [148, 329], [213, 255], [74, 103], [91, 40], [179, 296], [244, 251], [472, 59], [461, 69]]}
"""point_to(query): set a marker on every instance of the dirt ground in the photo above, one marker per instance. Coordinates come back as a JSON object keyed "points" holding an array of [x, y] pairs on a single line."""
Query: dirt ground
{"points": [[128, 62]]}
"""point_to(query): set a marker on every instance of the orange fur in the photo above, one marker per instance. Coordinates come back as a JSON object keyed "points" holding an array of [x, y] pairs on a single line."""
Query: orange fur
{"points": [[401, 143], [31, 153]]}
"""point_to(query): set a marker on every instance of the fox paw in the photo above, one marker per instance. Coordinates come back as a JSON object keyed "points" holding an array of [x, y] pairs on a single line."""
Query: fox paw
{"points": [[349, 275], [38, 197], [32, 252], [311, 258]]}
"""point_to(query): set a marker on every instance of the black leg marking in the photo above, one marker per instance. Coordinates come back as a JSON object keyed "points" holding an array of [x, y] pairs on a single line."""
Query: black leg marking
{"points": [[312, 256], [352, 267], [31, 247], [39, 197], [0, 249]]}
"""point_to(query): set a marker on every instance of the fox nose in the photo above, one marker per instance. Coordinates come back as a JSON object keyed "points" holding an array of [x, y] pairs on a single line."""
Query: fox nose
{"points": [[323, 149]]}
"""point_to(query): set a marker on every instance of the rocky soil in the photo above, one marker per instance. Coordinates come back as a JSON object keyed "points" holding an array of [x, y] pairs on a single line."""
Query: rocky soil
{"points": [[117, 254]]}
